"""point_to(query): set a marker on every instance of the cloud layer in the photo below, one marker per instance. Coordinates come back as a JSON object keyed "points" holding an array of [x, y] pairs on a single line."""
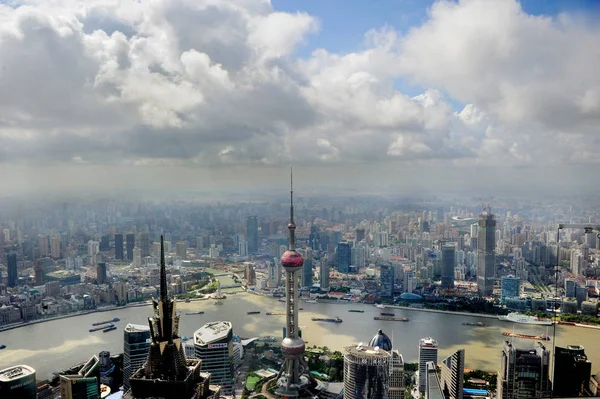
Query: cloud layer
{"points": [[216, 83]]}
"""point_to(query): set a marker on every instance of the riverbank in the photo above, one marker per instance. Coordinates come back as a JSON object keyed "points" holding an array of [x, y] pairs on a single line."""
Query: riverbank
{"points": [[489, 316], [74, 314]]}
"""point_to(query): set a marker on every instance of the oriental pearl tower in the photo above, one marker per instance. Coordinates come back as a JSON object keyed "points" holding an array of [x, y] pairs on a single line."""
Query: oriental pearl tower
{"points": [[293, 380]]}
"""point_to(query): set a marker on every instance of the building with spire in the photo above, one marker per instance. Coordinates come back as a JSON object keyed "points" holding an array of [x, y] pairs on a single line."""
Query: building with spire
{"points": [[486, 258], [167, 374], [294, 378]]}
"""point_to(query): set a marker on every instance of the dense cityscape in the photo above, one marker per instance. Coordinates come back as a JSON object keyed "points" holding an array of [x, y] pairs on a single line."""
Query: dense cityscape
{"points": [[468, 256]]}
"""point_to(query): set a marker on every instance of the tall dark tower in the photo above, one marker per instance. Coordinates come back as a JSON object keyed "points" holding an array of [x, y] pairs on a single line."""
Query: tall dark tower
{"points": [[486, 246], [293, 379], [167, 374]]}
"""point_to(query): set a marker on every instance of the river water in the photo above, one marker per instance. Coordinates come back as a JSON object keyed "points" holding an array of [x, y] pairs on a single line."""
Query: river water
{"points": [[58, 344]]}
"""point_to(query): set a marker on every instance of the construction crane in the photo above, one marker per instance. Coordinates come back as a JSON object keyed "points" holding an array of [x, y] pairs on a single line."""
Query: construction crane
{"points": [[589, 228], [486, 206]]}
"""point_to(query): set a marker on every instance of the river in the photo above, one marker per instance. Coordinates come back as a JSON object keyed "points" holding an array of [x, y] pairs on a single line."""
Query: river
{"points": [[58, 344]]}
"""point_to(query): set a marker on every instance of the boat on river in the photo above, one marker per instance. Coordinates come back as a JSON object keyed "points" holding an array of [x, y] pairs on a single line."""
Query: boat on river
{"points": [[388, 314], [193, 313], [524, 319], [106, 322], [109, 329], [478, 324], [391, 318], [336, 320], [254, 312], [356, 311], [275, 313], [543, 337], [101, 327], [2, 346]]}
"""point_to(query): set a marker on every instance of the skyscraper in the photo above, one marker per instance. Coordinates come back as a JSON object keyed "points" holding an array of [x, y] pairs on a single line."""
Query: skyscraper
{"points": [[145, 243], [252, 234], [18, 382], [344, 256], [84, 384], [510, 287], [55, 247], [366, 372], [307, 269], [524, 372], [387, 280], [167, 374], [101, 273], [13, 274], [136, 344], [447, 267], [397, 390], [213, 345], [119, 246], [43, 244], [572, 371], [433, 385], [428, 352], [486, 246], [453, 373], [293, 380], [324, 274], [130, 243], [181, 249]]}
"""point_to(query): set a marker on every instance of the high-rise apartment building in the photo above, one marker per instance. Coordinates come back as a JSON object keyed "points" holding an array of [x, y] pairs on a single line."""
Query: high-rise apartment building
{"points": [[428, 352], [510, 288], [18, 382], [359, 235], [137, 257], [43, 244], [524, 372], [130, 244], [243, 248], [344, 257], [55, 247], [101, 273], [136, 343], [307, 269], [366, 372], [250, 275], [433, 385], [453, 373], [486, 258], [119, 246], [145, 243], [387, 280], [447, 267], [181, 249], [324, 274], [13, 274], [572, 371], [252, 234], [213, 345], [397, 390], [274, 274], [84, 384]]}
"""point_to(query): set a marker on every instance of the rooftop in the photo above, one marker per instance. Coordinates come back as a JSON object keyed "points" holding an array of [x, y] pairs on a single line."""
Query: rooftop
{"points": [[365, 351], [15, 373], [136, 327], [428, 343], [212, 332]]}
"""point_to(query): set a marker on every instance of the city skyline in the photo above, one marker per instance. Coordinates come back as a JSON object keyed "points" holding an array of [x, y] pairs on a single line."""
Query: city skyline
{"points": [[254, 86]]}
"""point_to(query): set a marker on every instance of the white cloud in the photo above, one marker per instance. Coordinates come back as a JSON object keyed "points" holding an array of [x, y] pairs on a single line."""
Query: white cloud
{"points": [[196, 83]]}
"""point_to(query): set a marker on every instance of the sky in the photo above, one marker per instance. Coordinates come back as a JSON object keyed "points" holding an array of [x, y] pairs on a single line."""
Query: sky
{"points": [[484, 96]]}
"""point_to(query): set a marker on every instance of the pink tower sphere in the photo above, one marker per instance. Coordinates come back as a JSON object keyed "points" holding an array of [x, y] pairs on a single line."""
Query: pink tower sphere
{"points": [[291, 260]]}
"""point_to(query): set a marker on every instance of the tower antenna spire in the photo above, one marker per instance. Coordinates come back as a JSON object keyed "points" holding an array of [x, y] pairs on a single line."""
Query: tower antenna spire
{"points": [[163, 271], [292, 225]]}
